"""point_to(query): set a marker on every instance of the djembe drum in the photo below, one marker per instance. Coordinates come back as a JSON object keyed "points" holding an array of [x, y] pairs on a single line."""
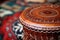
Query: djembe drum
{"points": [[41, 22]]}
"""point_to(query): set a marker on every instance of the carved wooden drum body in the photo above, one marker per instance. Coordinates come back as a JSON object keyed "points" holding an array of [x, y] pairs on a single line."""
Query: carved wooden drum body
{"points": [[41, 22]]}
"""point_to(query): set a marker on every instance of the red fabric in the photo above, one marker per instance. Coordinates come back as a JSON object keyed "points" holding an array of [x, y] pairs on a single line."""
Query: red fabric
{"points": [[8, 23]]}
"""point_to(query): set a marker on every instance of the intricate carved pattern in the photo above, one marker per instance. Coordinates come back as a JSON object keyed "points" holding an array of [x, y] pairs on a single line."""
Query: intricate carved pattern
{"points": [[43, 14], [41, 22], [43, 31], [32, 27], [32, 35], [28, 36]]}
